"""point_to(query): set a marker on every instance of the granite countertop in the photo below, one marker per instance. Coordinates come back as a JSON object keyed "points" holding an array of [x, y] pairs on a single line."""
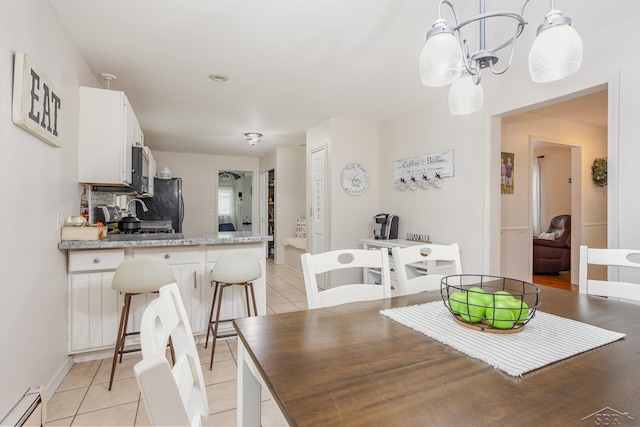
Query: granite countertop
{"points": [[169, 239]]}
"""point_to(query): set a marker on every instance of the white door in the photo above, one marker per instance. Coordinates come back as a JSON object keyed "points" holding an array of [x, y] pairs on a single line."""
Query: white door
{"points": [[318, 205]]}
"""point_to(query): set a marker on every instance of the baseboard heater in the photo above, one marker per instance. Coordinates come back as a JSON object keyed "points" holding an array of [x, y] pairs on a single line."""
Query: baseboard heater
{"points": [[29, 410]]}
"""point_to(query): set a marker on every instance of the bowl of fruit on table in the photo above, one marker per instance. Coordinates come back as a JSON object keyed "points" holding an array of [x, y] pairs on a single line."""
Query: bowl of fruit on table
{"points": [[490, 303]]}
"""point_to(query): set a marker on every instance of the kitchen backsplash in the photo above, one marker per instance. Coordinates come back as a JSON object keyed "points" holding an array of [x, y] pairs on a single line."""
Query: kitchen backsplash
{"points": [[99, 198]]}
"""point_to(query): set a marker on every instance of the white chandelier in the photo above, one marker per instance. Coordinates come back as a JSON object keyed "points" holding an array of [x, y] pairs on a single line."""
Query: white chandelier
{"points": [[447, 56]]}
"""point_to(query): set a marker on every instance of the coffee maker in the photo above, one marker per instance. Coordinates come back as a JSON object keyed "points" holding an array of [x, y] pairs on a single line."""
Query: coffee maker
{"points": [[385, 226]]}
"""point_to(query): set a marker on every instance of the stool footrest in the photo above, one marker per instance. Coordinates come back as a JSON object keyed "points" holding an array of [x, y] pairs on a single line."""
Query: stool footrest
{"points": [[232, 334]]}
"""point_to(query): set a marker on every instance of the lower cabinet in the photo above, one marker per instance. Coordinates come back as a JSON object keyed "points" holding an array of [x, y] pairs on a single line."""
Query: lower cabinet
{"points": [[95, 308], [187, 266], [93, 305]]}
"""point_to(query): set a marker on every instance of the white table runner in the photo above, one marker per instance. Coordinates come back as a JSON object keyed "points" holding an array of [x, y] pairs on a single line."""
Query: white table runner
{"points": [[545, 339]]}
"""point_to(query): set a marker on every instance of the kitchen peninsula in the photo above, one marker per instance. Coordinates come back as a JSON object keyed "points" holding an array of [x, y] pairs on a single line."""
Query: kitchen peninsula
{"points": [[94, 308]]}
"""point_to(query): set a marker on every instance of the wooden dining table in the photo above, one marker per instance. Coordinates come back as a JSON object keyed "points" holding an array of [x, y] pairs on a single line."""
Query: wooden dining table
{"points": [[349, 365]]}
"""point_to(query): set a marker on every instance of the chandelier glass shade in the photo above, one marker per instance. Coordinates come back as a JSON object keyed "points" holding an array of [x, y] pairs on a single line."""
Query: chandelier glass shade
{"points": [[447, 56], [441, 57], [465, 96], [556, 52]]}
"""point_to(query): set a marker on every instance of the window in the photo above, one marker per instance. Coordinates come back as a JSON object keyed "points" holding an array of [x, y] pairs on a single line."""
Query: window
{"points": [[225, 201]]}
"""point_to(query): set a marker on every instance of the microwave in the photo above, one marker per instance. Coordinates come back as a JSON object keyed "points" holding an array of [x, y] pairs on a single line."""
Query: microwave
{"points": [[140, 170], [146, 172], [139, 175]]}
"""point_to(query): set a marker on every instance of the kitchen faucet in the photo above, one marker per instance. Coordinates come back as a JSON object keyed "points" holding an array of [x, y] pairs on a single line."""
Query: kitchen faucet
{"points": [[144, 207]]}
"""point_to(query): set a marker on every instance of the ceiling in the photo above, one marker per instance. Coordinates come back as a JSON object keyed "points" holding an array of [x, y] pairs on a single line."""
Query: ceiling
{"points": [[587, 110], [291, 64]]}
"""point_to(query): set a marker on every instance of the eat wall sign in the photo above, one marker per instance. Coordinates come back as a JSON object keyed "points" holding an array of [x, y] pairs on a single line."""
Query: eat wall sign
{"points": [[36, 101]]}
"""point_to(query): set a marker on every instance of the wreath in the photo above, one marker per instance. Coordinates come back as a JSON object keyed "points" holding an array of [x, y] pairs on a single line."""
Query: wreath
{"points": [[599, 171]]}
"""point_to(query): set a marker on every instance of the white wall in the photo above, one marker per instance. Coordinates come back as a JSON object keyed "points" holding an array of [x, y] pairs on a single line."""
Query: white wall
{"points": [[199, 173], [352, 142], [516, 133], [290, 173], [453, 213], [349, 218], [40, 182]]}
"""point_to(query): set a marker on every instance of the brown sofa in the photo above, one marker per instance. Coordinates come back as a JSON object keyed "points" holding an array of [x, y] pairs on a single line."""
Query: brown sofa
{"points": [[553, 256]]}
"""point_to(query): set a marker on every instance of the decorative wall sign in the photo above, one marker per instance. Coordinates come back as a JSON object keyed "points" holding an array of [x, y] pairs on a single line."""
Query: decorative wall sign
{"points": [[36, 101], [354, 179], [424, 169]]}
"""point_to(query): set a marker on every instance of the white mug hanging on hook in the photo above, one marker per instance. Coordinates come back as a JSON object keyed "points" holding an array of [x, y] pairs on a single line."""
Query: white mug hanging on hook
{"points": [[401, 184]]}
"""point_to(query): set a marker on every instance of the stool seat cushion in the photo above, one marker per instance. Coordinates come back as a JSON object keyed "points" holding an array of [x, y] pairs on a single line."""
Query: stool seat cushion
{"points": [[236, 266], [142, 274]]}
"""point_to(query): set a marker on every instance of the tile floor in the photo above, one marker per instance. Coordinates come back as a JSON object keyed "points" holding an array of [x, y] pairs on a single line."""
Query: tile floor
{"points": [[83, 399]]}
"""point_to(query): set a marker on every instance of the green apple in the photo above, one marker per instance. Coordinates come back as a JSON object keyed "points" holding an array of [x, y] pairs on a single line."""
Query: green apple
{"points": [[500, 315], [520, 310], [503, 296], [474, 310], [480, 293], [457, 300]]}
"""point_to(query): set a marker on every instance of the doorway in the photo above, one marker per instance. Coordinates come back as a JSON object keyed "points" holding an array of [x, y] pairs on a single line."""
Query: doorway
{"points": [[581, 125], [235, 200], [551, 196]]}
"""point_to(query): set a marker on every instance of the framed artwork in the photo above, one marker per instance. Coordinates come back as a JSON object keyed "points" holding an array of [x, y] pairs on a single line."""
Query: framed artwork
{"points": [[507, 173]]}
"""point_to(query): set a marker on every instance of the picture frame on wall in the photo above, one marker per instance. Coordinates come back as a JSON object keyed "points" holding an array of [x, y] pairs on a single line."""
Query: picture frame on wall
{"points": [[507, 173]]}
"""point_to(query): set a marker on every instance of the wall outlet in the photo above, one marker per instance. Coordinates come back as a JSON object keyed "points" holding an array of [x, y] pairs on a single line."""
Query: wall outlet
{"points": [[210, 211], [58, 221]]}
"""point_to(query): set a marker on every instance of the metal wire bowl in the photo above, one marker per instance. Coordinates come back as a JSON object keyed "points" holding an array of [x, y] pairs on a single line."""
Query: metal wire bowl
{"points": [[467, 297]]}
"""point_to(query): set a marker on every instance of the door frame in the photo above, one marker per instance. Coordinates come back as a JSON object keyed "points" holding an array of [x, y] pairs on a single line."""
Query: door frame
{"points": [[576, 196]]}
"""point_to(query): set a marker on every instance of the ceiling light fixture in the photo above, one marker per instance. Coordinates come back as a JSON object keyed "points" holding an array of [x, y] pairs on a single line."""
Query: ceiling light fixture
{"points": [[108, 77], [253, 137], [219, 78], [447, 55]]}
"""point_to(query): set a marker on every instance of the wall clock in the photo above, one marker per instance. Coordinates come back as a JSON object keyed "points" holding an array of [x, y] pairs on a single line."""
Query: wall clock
{"points": [[354, 179]]}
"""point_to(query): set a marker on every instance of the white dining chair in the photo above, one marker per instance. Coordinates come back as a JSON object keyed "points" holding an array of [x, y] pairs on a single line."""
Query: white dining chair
{"points": [[611, 258], [415, 266], [173, 396], [313, 265]]}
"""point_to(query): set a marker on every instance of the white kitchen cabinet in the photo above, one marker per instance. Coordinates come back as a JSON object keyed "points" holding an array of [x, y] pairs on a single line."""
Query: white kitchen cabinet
{"points": [[187, 266], [93, 305], [94, 308], [108, 129], [425, 267]]}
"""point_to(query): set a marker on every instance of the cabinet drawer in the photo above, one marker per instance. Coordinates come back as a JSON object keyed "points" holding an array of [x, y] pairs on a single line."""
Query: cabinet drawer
{"points": [[95, 260], [173, 255], [214, 251]]}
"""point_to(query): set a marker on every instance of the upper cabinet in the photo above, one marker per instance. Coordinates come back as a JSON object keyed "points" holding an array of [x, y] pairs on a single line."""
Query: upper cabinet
{"points": [[108, 130]]}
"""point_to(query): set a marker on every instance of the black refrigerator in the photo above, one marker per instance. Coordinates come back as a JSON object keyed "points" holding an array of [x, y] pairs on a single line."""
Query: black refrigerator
{"points": [[166, 203]]}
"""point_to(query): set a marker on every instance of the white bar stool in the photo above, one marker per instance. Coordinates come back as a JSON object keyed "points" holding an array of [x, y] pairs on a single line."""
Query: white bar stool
{"points": [[234, 267], [132, 277]]}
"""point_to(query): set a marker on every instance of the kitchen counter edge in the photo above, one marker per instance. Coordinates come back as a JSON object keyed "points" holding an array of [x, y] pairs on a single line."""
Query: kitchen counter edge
{"points": [[149, 240]]}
